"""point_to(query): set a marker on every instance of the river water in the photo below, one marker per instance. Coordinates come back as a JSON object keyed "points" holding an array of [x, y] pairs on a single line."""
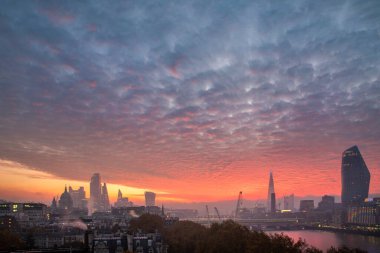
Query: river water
{"points": [[324, 239]]}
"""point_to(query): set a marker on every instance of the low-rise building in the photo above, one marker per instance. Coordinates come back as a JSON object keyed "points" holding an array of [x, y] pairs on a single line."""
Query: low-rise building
{"points": [[364, 214]]}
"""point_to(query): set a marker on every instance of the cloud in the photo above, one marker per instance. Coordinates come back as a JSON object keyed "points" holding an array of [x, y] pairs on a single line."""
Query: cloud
{"points": [[197, 92]]}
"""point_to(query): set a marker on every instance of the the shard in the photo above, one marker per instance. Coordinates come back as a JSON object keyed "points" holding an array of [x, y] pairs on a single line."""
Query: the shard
{"points": [[271, 197], [355, 177]]}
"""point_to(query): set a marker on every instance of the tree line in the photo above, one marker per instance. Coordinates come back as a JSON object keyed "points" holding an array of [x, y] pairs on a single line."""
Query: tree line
{"points": [[226, 237]]}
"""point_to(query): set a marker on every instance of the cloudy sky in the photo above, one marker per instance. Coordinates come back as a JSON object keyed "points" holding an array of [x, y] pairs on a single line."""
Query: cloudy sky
{"points": [[196, 100]]}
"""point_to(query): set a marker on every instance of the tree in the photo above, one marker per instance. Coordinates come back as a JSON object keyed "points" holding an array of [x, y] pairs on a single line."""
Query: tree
{"points": [[148, 223], [10, 241], [185, 237]]}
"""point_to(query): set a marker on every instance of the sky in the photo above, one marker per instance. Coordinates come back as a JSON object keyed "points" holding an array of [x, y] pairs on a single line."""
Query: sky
{"points": [[195, 100]]}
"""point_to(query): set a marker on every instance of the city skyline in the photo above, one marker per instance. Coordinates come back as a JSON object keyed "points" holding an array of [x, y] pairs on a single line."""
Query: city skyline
{"points": [[193, 101], [355, 163]]}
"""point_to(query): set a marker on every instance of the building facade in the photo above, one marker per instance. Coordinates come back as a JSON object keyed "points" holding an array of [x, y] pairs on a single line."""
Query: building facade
{"points": [[306, 205], [95, 193], [289, 202], [150, 199], [27, 214], [78, 197], [327, 204], [270, 192], [364, 214], [355, 177]]}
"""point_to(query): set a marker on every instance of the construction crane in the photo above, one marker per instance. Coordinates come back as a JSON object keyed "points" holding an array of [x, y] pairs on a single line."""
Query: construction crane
{"points": [[208, 215], [217, 212], [239, 204]]}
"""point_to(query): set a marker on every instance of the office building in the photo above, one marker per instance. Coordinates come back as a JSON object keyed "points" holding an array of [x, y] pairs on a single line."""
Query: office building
{"points": [[306, 205], [270, 192], [327, 204], [364, 214], [95, 193], [355, 177], [289, 202], [122, 201], [150, 199], [105, 200], [27, 214]]}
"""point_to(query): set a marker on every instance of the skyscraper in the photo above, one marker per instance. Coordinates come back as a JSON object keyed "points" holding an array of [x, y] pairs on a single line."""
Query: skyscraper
{"points": [[150, 199], [270, 191], [355, 177], [105, 199], [95, 193]]}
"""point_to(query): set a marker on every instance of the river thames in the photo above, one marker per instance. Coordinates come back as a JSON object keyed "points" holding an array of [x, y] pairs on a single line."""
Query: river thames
{"points": [[325, 239]]}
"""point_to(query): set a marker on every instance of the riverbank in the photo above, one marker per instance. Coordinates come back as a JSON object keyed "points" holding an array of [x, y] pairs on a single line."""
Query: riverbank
{"points": [[324, 240], [356, 231]]}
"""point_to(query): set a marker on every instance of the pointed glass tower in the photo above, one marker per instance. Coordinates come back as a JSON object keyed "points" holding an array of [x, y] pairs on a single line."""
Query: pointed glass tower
{"points": [[105, 199], [271, 194], [355, 177]]}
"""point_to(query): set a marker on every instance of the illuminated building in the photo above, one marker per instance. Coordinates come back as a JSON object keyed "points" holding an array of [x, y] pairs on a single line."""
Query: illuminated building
{"points": [[9, 223], [270, 191], [27, 214], [150, 199], [273, 203], [364, 214], [355, 177]]}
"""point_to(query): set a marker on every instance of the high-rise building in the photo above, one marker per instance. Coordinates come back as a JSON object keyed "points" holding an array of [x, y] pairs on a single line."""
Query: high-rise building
{"points": [[78, 197], [270, 191], [95, 194], [327, 204], [150, 199], [289, 202], [355, 177], [273, 203], [105, 200], [306, 205]]}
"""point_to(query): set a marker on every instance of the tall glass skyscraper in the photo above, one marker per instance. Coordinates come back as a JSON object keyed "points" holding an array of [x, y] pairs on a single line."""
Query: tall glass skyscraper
{"points": [[270, 196], [150, 199], [95, 193], [355, 177]]}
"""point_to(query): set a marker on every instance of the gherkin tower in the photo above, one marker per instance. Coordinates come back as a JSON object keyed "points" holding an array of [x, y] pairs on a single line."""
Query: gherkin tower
{"points": [[355, 176]]}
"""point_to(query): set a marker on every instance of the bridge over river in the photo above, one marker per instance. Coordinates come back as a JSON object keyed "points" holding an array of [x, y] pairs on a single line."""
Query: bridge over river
{"points": [[254, 223]]}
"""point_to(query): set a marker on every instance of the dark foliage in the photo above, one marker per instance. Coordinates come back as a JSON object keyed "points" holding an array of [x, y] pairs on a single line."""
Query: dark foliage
{"points": [[147, 223], [10, 241], [227, 237]]}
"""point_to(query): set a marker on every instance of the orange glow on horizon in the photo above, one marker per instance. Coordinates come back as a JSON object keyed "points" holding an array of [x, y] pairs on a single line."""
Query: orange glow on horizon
{"points": [[22, 183]]}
